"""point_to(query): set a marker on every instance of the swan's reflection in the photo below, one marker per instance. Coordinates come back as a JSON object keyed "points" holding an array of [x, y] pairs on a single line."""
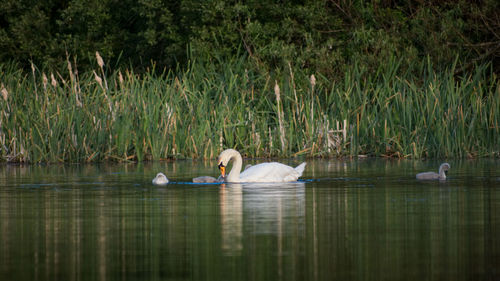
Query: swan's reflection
{"points": [[260, 209], [231, 217]]}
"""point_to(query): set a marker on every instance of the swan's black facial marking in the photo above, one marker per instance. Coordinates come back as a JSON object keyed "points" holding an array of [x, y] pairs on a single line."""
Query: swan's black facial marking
{"points": [[222, 169]]}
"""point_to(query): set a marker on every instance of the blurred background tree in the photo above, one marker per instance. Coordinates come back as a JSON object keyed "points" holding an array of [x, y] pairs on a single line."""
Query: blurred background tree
{"points": [[324, 36]]}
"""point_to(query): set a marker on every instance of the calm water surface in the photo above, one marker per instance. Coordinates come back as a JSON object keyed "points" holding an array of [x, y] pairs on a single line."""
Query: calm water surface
{"points": [[348, 220]]}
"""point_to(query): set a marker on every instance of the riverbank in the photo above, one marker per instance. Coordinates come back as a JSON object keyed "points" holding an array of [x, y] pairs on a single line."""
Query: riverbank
{"points": [[118, 115]]}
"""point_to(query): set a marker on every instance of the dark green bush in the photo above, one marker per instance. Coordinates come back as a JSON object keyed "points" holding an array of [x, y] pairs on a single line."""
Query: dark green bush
{"points": [[322, 36]]}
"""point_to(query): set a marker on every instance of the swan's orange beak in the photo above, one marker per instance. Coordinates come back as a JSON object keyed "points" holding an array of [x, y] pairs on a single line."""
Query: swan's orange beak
{"points": [[222, 169]]}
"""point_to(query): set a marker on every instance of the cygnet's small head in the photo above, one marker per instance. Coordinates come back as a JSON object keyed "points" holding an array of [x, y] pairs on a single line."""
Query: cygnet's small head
{"points": [[444, 167], [160, 179]]}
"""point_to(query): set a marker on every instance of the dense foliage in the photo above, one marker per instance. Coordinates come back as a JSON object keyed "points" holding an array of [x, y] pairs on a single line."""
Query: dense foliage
{"points": [[325, 36], [187, 78], [197, 112]]}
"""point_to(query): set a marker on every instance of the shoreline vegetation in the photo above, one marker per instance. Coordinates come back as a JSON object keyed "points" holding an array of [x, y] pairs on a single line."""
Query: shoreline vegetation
{"points": [[187, 79], [219, 103]]}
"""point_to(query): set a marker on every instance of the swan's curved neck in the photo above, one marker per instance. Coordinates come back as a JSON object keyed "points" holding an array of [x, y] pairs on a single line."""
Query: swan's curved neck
{"points": [[442, 173], [234, 175]]}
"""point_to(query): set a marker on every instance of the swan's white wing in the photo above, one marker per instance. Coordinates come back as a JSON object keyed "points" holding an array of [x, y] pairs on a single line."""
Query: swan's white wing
{"points": [[271, 172], [300, 168]]}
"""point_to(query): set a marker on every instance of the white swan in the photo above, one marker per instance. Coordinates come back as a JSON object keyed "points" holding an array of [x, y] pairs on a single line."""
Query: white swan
{"points": [[264, 172], [443, 169], [160, 179]]}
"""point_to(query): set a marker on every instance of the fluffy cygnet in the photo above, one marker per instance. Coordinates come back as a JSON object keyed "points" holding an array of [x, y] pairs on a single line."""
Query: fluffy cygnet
{"points": [[160, 179], [443, 169]]}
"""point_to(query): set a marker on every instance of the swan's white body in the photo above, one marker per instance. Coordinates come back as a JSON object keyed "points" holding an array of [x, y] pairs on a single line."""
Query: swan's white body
{"points": [[433, 176], [160, 179], [264, 172]]}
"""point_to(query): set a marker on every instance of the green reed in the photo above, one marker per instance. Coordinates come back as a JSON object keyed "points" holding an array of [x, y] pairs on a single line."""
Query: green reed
{"points": [[196, 112]]}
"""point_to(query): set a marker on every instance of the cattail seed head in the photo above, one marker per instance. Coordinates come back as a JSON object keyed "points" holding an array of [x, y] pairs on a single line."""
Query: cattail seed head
{"points": [[98, 79], [100, 62], [120, 77], [45, 81], [53, 80], [277, 90], [5, 94], [313, 80]]}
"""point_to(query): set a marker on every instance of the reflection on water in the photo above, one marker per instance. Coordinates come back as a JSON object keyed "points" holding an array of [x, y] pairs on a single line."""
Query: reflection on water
{"points": [[269, 204], [273, 204], [231, 213], [350, 220]]}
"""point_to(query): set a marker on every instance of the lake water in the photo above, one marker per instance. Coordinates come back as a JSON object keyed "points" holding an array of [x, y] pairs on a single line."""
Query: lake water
{"points": [[366, 219]]}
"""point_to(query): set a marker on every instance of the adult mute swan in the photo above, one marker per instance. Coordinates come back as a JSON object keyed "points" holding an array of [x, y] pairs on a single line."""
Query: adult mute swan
{"points": [[160, 179], [263, 172], [443, 169]]}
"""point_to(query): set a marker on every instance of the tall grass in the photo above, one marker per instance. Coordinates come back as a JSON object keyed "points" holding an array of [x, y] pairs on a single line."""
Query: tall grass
{"points": [[196, 112]]}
